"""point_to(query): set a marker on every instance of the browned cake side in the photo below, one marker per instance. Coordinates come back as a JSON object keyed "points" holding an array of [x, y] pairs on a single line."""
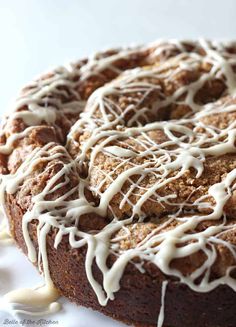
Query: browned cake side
{"points": [[138, 300]]}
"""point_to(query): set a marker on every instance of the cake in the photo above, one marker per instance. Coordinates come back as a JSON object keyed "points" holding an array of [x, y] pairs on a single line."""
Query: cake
{"points": [[118, 181]]}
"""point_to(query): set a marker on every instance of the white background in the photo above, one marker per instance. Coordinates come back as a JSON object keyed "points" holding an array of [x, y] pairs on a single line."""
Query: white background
{"points": [[38, 34]]}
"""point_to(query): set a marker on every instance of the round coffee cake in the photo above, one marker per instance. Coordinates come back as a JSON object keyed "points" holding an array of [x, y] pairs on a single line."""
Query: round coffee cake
{"points": [[118, 178]]}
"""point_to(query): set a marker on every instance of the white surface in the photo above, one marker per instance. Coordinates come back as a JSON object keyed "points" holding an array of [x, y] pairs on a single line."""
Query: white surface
{"points": [[36, 35]]}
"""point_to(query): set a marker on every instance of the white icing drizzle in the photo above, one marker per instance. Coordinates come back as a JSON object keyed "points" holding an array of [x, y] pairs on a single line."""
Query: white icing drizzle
{"points": [[5, 236], [107, 125], [161, 316]]}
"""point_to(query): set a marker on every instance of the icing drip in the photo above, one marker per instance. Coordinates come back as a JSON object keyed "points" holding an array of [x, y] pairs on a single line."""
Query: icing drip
{"points": [[5, 236], [122, 134], [162, 314]]}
